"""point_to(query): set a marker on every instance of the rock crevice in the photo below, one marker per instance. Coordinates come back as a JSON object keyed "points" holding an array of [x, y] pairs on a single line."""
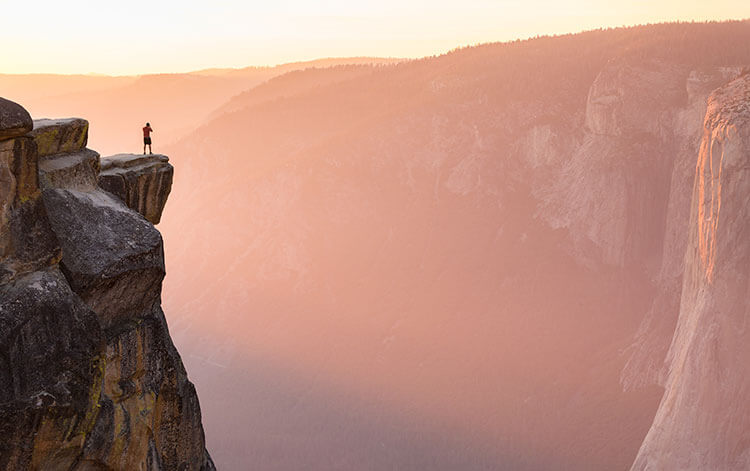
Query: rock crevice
{"points": [[89, 376], [702, 422]]}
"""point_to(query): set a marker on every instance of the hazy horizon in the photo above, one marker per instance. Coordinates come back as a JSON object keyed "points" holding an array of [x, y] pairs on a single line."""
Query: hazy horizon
{"points": [[475, 260], [192, 37]]}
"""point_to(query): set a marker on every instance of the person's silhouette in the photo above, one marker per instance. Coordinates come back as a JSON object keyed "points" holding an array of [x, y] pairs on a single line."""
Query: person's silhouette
{"points": [[147, 138]]}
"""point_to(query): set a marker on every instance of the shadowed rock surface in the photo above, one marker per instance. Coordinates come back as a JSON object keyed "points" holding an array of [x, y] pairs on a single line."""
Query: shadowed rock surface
{"points": [[14, 119], [77, 170], [704, 416], [112, 257], [26, 241], [51, 372], [89, 376], [142, 182]]}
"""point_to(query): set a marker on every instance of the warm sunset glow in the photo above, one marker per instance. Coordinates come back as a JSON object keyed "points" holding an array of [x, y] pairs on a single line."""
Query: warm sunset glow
{"points": [[167, 36], [437, 235]]}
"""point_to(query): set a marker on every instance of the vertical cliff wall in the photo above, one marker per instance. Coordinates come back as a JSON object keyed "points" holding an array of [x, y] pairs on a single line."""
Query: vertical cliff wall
{"points": [[89, 377], [455, 206], [703, 421]]}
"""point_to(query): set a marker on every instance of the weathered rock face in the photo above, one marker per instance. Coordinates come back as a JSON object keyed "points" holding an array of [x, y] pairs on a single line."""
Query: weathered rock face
{"points": [[60, 136], [26, 241], [646, 364], [640, 123], [75, 170], [142, 182], [14, 119], [112, 257], [704, 417], [609, 159], [51, 372], [89, 376]]}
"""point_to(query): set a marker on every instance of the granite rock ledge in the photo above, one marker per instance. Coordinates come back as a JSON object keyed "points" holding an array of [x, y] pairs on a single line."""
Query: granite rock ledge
{"points": [[89, 376], [142, 182]]}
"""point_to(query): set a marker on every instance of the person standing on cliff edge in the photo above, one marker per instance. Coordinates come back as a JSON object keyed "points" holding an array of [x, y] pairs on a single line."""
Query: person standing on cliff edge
{"points": [[147, 138]]}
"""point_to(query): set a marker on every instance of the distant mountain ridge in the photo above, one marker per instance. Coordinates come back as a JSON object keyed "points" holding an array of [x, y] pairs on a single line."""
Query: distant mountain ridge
{"points": [[489, 242], [471, 261], [302, 65], [174, 103]]}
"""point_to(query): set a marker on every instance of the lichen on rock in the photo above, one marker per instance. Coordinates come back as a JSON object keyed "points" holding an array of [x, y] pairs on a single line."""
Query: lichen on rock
{"points": [[60, 136], [89, 376]]}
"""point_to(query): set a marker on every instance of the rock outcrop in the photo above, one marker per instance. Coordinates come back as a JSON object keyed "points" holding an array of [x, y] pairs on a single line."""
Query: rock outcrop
{"points": [[89, 376], [142, 182], [60, 136], [704, 418], [14, 119], [646, 364], [26, 241]]}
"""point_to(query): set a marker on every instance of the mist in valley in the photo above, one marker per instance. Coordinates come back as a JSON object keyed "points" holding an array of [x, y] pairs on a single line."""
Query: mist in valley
{"points": [[467, 261]]}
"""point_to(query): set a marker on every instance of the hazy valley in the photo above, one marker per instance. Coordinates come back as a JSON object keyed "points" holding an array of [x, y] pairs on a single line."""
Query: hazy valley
{"points": [[469, 261]]}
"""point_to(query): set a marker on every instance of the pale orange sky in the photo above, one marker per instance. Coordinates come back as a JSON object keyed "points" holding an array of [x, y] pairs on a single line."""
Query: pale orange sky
{"points": [[87, 36]]}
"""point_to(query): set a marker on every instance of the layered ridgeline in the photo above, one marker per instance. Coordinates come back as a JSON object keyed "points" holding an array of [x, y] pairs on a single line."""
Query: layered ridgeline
{"points": [[161, 97], [89, 377], [471, 261], [704, 418]]}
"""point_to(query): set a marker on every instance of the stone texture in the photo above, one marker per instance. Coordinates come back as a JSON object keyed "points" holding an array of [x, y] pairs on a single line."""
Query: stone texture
{"points": [[14, 120], [626, 153], [142, 182], [60, 136], [26, 240], [89, 376], [149, 396], [112, 257], [704, 416], [51, 371], [77, 170], [132, 161], [646, 364]]}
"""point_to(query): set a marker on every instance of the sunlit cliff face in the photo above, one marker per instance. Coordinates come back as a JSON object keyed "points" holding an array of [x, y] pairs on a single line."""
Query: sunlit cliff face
{"points": [[441, 264], [708, 173], [703, 418], [439, 246]]}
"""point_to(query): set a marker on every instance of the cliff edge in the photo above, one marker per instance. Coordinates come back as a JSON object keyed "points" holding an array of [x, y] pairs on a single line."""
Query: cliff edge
{"points": [[704, 417], [89, 376]]}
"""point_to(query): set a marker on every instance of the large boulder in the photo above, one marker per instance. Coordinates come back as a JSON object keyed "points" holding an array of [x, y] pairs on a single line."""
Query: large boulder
{"points": [[142, 182], [89, 376], [76, 170], [112, 257], [60, 136], [113, 260], [14, 120]]}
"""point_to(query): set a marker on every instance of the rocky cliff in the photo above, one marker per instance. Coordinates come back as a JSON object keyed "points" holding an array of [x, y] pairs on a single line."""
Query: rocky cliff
{"points": [[89, 376], [703, 419], [142, 182], [475, 238]]}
